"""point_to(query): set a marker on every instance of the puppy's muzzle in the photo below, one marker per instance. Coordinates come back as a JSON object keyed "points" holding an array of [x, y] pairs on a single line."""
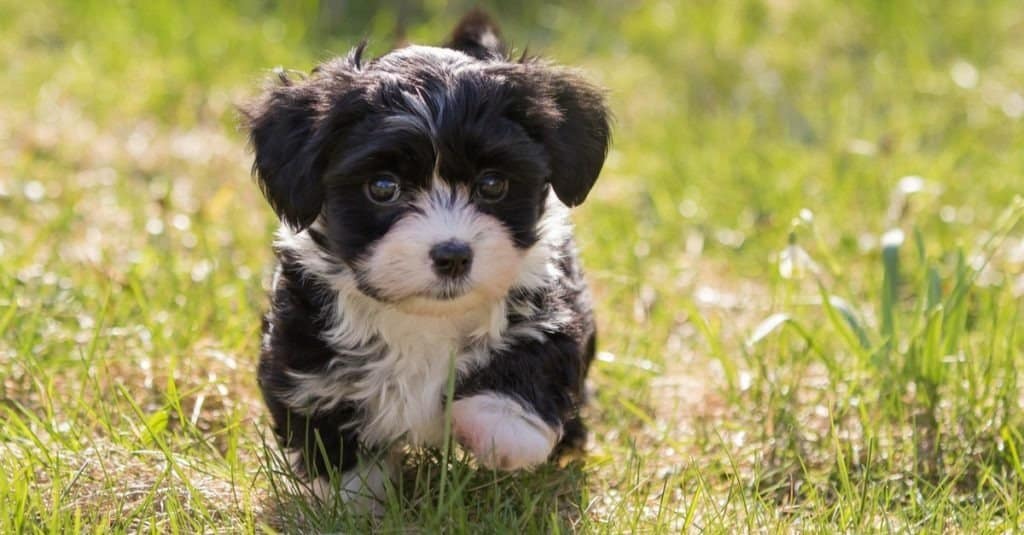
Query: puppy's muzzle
{"points": [[452, 259]]}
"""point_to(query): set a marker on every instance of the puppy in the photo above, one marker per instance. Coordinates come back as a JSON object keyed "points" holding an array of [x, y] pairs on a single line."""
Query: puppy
{"points": [[423, 198]]}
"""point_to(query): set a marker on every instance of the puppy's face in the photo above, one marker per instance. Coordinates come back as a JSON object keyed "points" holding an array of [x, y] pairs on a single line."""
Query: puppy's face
{"points": [[425, 172]]}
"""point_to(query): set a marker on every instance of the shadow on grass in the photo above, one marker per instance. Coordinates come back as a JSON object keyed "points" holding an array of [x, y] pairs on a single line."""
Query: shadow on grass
{"points": [[433, 496]]}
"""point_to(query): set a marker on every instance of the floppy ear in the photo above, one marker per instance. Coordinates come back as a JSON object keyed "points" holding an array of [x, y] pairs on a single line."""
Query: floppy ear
{"points": [[477, 35], [293, 126], [578, 140], [281, 129]]}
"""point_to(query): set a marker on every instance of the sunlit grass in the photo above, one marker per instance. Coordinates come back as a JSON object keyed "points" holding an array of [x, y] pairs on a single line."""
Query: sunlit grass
{"points": [[806, 249]]}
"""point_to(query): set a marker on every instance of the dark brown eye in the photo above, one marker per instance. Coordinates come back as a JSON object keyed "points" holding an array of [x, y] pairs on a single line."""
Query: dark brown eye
{"points": [[490, 188], [383, 189]]}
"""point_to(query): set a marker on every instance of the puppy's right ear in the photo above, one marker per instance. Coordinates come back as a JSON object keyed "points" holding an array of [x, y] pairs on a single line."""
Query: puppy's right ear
{"points": [[281, 127], [294, 125]]}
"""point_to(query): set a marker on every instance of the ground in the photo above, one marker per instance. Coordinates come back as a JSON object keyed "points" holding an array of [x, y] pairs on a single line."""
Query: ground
{"points": [[805, 247]]}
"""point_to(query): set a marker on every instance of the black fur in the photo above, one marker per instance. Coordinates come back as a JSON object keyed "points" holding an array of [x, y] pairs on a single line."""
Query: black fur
{"points": [[319, 140]]}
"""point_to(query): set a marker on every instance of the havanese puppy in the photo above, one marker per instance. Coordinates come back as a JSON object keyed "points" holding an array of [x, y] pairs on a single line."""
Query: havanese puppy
{"points": [[423, 198]]}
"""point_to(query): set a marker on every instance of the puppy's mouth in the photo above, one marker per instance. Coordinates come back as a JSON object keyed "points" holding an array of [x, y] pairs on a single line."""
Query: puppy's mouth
{"points": [[448, 291], [444, 290]]}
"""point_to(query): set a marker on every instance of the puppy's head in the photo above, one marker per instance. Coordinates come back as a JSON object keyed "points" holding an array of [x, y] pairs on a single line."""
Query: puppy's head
{"points": [[426, 171]]}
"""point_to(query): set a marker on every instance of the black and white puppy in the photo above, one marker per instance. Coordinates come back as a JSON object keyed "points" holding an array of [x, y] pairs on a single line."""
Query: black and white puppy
{"points": [[424, 233]]}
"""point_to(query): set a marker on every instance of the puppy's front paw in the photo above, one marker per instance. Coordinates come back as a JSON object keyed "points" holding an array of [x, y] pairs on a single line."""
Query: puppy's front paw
{"points": [[501, 433]]}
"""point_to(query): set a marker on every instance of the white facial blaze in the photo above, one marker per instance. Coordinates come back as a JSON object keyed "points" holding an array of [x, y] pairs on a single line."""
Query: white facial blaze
{"points": [[400, 268]]}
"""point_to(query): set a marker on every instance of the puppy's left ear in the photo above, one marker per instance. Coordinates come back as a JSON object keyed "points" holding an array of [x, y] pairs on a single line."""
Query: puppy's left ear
{"points": [[578, 142]]}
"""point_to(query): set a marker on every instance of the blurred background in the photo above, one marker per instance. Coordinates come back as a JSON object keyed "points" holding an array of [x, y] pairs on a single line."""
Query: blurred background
{"points": [[804, 246]]}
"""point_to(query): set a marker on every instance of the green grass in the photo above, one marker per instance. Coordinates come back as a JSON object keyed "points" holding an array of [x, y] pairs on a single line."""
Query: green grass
{"points": [[794, 336]]}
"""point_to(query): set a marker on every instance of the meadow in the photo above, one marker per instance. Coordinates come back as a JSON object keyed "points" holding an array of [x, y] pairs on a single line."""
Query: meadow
{"points": [[806, 248]]}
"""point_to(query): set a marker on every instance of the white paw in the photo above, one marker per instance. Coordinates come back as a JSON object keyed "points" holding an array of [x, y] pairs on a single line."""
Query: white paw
{"points": [[362, 489], [501, 433]]}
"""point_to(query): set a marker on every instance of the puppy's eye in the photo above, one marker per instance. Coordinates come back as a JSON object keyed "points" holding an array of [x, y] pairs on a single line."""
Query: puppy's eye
{"points": [[490, 188], [383, 189]]}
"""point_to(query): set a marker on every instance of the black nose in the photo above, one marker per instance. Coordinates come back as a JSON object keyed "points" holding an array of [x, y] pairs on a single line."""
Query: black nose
{"points": [[451, 258]]}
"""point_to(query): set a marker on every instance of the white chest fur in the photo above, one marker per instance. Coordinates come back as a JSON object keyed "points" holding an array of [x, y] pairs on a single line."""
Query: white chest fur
{"points": [[401, 382], [403, 391]]}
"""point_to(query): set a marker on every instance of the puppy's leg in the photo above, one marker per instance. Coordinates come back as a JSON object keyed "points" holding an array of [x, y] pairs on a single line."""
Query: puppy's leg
{"points": [[513, 412], [316, 444], [310, 415], [363, 487], [502, 432], [332, 463]]}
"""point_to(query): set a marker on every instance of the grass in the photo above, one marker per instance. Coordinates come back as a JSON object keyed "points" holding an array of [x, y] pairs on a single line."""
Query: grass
{"points": [[806, 249]]}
